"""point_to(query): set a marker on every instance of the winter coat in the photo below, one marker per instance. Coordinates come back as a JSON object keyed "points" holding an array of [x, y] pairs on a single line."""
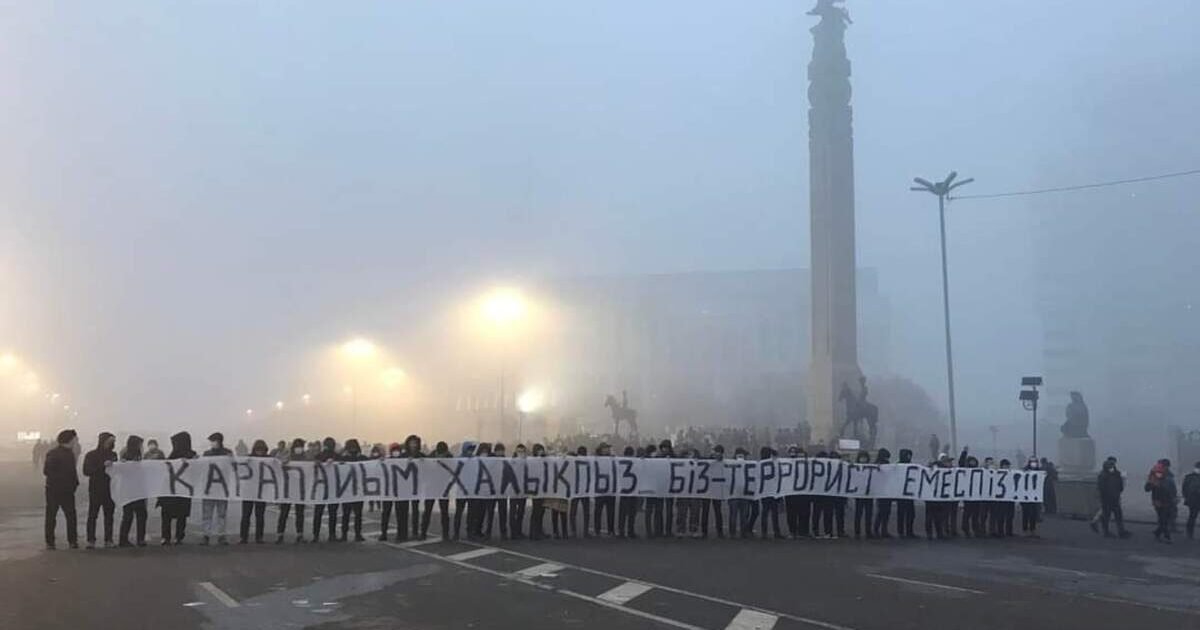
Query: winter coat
{"points": [[1110, 484], [1191, 489], [59, 469], [181, 448], [1161, 486], [94, 468]]}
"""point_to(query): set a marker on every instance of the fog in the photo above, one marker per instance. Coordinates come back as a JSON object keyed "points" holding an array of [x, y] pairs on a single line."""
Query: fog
{"points": [[200, 204]]}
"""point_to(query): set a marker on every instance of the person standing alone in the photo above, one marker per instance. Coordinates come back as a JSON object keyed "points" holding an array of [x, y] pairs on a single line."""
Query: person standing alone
{"points": [[61, 482]]}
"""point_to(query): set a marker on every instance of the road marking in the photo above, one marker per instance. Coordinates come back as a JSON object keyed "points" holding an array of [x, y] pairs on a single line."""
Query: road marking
{"points": [[417, 543], [747, 619], [670, 589], [545, 569], [622, 593], [474, 553], [220, 595], [922, 583]]}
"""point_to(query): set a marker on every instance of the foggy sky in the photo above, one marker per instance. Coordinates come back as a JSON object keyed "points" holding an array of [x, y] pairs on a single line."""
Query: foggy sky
{"points": [[193, 197]]}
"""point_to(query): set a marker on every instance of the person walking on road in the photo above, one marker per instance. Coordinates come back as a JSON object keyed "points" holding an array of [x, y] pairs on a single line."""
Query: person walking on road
{"points": [[1191, 498], [1161, 486], [1111, 483], [134, 510], [212, 511], [61, 482], [99, 493]]}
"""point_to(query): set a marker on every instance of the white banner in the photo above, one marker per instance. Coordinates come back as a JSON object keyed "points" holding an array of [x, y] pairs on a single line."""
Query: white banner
{"points": [[268, 479]]}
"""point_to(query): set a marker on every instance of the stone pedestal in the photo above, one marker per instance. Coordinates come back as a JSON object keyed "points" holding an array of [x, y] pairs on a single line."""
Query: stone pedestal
{"points": [[1076, 456], [1077, 497]]}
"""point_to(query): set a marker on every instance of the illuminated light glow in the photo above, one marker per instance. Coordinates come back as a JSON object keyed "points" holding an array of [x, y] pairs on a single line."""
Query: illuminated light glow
{"points": [[8, 361], [279, 405], [249, 412], [347, 390], [531, 401], [392, 377], [306, 399], [503, 307], [359, 348]]}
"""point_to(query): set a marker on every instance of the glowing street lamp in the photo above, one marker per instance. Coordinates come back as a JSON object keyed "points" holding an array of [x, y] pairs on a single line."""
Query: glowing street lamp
{"points": [[502, 310], [530, 401], [306, 399], [279, 405], [359, 349], [8, 361], [392, 377]]}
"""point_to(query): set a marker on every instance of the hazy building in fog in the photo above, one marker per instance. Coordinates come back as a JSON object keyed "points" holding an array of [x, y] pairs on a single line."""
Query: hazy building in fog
{"points": [[723, 347]]}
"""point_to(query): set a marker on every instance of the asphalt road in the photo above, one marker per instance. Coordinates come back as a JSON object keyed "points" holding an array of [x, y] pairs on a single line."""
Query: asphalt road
{"points": [[1068, 579]]}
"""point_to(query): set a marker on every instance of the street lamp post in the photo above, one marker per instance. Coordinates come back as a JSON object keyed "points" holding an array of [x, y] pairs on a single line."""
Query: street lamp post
{"points": [[1029, 400], [942, 190]]}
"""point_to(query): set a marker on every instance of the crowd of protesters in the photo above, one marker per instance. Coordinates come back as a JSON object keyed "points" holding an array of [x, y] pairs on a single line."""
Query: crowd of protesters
{"points": [[802, 516]]}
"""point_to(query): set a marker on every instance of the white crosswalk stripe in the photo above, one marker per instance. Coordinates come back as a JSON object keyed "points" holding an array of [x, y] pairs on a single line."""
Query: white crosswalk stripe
{"points": [[621, 594], [474, 553], [747, 619]]}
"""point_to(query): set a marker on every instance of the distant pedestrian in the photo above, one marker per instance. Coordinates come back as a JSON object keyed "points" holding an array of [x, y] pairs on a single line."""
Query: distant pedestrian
{"points": [[1160, 483], [212, 511], [1191, 498], [95, 468], [61, 482], [134, 511], [1110, 483]]}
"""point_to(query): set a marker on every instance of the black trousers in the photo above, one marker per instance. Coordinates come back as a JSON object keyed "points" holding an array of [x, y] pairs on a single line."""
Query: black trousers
{"points": [[259, 510], [284, 510], [1030, 514], [627, 518], [935, 519], [443, 513], [460, 510], [605, 514], [537, 519], [906, 517], [751, 518], [951, 516], [318, 512], [1113, 510], [770, 516], [839, 514], [587, 516], [1193, 512], [791, 511], [516, 517], [401, 510], [668, 517], [822, 516], [1164, 521], [804, 510], [883, 516], [495, 512], [96, 503], [65, 501], [1008, 513], [717, 507], [474, 518], [970, 511], [654, 518], [130, 512], [864, 512], [352, 509], [180, 523]]}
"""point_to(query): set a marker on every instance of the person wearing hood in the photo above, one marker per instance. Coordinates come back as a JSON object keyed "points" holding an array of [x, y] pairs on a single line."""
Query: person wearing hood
{"points": [[152, 450], [1110, 483], [352, 453], [1191, 498], [864, 509], [441, 449], [280, 452], [1161, 485], [134, 510], [883, 507], [395, 451], [256, 508], [1030, 510], [298, 453], [327, 454], [61, 482], [240, 449], [95, 468], [467, 450], [516, 507], [213, 511], [175, 510], [906, 509]]}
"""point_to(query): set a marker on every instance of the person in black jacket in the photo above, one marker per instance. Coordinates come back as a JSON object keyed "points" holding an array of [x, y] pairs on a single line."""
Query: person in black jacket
{"points": [[441, 449], [883, 507], [134, 510], [296, 454], [627, 508], [61, 481], [606, 505], [906, 509], [395, 451], [99, 493], [516, 507], [412, 450], [256, 508], [352, 453], [1191, 498], [864, 509], [175, 510], [769, 505], [1111, 483], [585, 502], [328, 453]]}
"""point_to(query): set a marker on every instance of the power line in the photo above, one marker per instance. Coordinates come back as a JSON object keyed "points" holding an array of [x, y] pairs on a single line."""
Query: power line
{"points": [[1116, 182]]}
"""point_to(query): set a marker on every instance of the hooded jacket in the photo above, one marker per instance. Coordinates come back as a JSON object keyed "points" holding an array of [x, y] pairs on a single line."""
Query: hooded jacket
{"points": [[352, 452], [93, 467], [328, 452], [133, 449], [1161, 486], [181, 448], [59, 469], [1110, 484], [415, 452], [292, 456], [1191, 489]]}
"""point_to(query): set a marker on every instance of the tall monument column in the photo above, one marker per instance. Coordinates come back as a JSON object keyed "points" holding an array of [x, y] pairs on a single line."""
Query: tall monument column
{"points": [[831, 208]]}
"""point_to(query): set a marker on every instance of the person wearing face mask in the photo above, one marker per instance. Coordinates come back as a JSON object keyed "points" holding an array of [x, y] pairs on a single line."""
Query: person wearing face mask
{"points": [[257, 509], [95, 468], [516, 507], [327, 454], [297, 453], [627, 507], [1031, 511], [352, 453], [1110, 483], [441, 449], [212, 511], [395, 451], [461, 504], [134, 510], [537, 512], [906, 509], [864, 509], [1191, 498]]}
